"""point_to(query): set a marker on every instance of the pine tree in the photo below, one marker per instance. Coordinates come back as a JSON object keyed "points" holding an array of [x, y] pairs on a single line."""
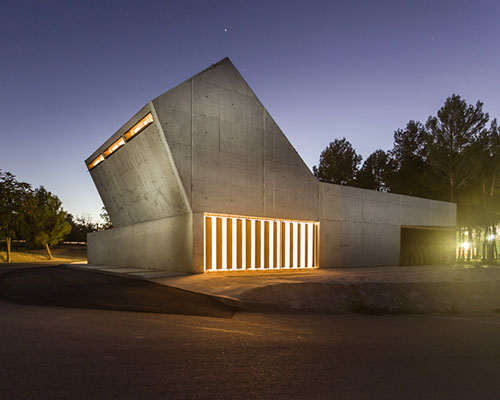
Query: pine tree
{"points": [[450, 136], [338, 163], [47, 220], [408, 161], [373, 174], [13, 198]]}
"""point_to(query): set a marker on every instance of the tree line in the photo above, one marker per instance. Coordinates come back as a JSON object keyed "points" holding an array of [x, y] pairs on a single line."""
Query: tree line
{"points": [[36, 215], [454, 156]]}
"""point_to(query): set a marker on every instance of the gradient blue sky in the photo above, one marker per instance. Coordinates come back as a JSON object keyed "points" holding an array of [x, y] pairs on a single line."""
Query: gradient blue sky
{"points": [[72, 72]]}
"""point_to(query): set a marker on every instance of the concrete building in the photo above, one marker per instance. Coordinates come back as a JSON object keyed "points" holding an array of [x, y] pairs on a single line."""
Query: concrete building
{"points": [[203, 179]]}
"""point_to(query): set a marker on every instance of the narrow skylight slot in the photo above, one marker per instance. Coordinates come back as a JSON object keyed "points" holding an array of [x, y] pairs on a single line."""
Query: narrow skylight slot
{"points": [[97, 161], [115, 146], [137, 128]]}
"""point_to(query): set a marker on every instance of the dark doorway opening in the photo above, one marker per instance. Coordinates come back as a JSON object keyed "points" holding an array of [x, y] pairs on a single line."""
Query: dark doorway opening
{"points": [[427, 246]]}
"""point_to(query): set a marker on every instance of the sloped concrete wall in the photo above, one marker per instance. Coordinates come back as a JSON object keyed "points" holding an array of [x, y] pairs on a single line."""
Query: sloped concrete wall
{"points": [[143, 194], [360, 227], [139, 181]]}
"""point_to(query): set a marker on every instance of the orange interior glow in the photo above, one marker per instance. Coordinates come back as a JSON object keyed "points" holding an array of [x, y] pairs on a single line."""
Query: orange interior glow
{"points": [[94, 163], [137, 128], [237, 243], [115, 146]]}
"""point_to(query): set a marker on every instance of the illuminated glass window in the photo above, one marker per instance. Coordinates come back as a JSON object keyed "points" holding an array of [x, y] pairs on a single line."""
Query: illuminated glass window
{"points": [[247, 243], [137, 128], [94, 163], [115, 146]]}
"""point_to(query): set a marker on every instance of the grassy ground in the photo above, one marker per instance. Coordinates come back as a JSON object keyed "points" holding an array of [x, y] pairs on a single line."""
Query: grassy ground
{"points": [[62, 254]]}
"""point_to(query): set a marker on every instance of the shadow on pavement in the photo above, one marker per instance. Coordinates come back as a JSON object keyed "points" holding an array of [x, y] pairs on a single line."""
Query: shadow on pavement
{"points": [[65, 287]]}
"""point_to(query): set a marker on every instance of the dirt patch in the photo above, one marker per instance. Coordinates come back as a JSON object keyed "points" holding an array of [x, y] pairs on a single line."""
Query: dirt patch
{"points": [[382, 297], [65, 287]]}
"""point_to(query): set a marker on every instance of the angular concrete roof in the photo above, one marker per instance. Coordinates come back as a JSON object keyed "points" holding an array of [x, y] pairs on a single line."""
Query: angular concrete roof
{"points": [[223, 146]]}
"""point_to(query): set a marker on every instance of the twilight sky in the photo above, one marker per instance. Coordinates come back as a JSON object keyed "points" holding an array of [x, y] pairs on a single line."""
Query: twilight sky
{"points": [[72, 72]]}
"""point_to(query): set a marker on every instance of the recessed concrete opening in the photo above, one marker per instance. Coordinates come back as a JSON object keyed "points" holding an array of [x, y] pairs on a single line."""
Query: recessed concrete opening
{"points": [[427, 246], [250, 243]]}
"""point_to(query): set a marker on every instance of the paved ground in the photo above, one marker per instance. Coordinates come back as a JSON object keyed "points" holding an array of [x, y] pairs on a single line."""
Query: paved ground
{"points": [[75, 353], [62, 353], [61, 286], [372, 290]]}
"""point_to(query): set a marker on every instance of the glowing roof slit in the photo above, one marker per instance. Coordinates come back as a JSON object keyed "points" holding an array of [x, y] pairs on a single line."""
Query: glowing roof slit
{"points": [[139, 127], [98, 160]]}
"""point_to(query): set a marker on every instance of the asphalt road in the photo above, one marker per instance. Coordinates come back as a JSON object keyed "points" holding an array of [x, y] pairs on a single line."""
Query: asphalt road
{"points": [[73, 353]]}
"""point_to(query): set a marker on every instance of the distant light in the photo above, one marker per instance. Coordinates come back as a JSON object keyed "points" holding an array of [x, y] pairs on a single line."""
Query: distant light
{"points": [[466, 245], [225, 29], [491, 237]]}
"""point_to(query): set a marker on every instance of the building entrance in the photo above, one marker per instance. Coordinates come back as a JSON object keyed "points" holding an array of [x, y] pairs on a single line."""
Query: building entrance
{"points": [[427, 246]]}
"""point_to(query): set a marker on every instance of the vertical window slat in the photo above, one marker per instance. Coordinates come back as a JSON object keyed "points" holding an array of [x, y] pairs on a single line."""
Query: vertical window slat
{"points": [[262, 244], [271, 244], [254, 249], [310, 233], [234, 241], [287, 244], [239, 243], [214, 243], [295, 241], [302, 244]]}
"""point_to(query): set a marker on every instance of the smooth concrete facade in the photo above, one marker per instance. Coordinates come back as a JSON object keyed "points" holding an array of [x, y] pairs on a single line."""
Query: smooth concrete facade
{"points": [[362, 227], [213, 148]]}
